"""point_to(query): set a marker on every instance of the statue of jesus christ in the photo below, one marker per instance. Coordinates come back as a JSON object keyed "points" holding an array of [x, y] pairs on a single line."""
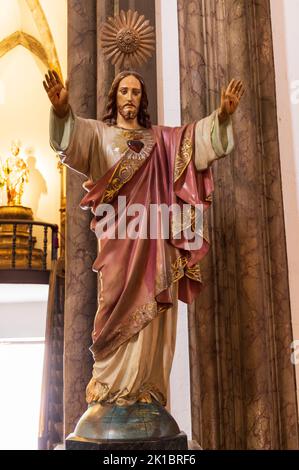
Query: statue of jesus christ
{"points": [[141, 279]]}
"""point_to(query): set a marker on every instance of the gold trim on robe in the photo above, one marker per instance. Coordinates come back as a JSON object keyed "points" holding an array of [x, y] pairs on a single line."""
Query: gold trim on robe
{"points": [[130, 162]]}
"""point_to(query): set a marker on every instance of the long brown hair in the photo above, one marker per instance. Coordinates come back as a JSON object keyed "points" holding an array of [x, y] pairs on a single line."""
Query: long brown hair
{"points": [[143, 117]]}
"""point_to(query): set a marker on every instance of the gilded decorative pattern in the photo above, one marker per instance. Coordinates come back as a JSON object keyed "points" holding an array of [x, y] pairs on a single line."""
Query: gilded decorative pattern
{"points": [[146, 311], [124, 171], [127, 39], [129, 163], [176, 272], [98, 392], [183, 158], [194, 273], [177, 268], [182, 220], [206, 234]]}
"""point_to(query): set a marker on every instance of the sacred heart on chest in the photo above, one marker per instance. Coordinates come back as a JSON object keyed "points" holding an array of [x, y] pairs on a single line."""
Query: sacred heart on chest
{"points": [[135, 145]]}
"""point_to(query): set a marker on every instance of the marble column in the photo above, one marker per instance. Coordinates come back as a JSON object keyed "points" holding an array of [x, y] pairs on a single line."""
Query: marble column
{"points": [[89, 79], [242, 380]]}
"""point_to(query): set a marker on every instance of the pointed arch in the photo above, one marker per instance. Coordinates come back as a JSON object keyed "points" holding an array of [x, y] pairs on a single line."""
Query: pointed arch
{"points": [[26, 40], [43, 27], [45, 49]]}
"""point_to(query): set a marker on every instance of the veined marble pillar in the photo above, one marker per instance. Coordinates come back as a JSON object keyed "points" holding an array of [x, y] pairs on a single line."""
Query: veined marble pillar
{"points": [[89, 80], [242, 380], [90, 77]]}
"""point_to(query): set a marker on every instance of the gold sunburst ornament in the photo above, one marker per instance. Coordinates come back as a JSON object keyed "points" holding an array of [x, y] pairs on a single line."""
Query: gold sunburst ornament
{"points": [[127, 39]]}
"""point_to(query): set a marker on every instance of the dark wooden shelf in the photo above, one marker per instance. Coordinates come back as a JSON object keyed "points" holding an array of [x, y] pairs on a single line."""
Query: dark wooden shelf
{"points": [[24, 276]]}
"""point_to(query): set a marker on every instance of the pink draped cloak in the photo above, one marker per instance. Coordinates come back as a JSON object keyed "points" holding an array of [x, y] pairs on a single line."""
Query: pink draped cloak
{"points": [[136, 275]]}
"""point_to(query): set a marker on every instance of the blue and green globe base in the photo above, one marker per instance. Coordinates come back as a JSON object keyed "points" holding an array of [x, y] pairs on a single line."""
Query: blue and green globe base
{"points": [[141, 426]]}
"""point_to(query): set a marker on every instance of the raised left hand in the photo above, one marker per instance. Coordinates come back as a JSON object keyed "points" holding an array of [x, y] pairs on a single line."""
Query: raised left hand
{"points": [[230, 99]]}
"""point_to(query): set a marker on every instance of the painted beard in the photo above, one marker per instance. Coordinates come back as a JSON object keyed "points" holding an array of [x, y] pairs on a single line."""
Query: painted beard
{"points": [[128, 113]]}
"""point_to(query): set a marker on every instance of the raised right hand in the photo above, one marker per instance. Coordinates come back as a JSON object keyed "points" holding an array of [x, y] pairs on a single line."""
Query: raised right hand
{"points": [[57, 93]]}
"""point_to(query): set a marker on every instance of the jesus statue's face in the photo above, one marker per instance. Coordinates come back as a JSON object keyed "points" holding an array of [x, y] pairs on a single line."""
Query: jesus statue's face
{"points": [[128, 97]]}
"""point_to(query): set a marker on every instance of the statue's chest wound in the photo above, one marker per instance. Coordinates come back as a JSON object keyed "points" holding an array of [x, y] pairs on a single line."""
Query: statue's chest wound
{"points": [[135, 145]]}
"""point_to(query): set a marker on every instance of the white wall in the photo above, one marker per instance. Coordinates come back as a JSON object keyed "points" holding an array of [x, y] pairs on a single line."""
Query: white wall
{"points": [[285, 14], [24, 117], [23, 311], [24, 106], [18, 321]]}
